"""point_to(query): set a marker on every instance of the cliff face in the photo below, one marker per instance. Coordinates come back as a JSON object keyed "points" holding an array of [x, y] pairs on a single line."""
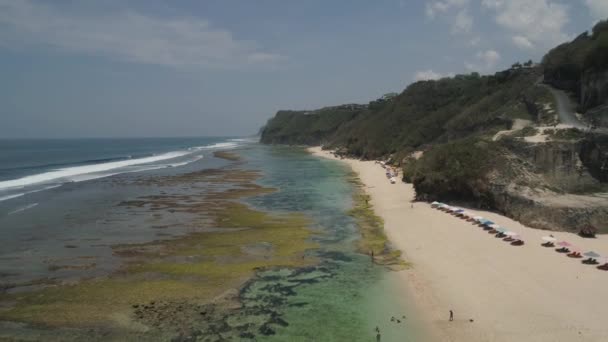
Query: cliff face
{"points": [[555, 185], [308, 127], [550, 211], [581, 68], [594, 97], [594, 90]]}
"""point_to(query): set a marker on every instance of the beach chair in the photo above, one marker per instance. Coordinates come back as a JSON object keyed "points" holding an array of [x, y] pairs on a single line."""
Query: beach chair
{"points": [[604, 267], [562, 250], [517, 243], [576, 255], [590, 261], [548, 244]]}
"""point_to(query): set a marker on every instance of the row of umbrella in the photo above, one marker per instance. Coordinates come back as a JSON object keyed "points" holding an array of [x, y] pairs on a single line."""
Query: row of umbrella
{"points": [[478, 219], [569, 246]]}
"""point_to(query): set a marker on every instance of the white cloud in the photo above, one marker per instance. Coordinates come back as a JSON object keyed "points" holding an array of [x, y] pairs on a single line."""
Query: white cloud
{"points": [[475, 41], [598, 8], [128, 36], [441, 6], [484, 61], [425, 75], [522, 42], [463, 23], [539, 22]]}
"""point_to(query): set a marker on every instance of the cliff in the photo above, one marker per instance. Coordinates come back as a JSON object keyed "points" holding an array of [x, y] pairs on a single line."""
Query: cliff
{"points": [[482, 140], [425, 112], [581, 68]]}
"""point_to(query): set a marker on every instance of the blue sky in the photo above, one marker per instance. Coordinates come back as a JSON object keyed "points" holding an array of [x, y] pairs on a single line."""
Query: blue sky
{"points": [[223, 67]]}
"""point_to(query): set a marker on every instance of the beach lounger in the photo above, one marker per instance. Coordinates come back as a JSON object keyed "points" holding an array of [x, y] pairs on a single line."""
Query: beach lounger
{"points": [[548, 244], [604, 267], [508, 239], [562, 250], [590, 261], [517, 243], [575, 255], [500, 235]]}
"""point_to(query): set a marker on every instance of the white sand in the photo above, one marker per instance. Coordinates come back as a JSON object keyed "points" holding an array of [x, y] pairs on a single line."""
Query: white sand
{"points": [[527, 293]]}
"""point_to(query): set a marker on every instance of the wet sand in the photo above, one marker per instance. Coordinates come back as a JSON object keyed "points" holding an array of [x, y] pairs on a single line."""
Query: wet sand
{"points": [[527, 293]]}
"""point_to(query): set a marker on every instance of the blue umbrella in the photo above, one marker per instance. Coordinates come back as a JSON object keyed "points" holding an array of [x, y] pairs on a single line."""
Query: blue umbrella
{"points": [[592, 254]]}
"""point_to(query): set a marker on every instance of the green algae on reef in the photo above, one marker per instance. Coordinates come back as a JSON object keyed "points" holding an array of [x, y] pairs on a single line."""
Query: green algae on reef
{"points": [[371, 226], [193, 269]]}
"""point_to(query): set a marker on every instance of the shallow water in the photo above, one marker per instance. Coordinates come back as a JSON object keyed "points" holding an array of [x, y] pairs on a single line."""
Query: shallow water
{"points": [[342, 298]]}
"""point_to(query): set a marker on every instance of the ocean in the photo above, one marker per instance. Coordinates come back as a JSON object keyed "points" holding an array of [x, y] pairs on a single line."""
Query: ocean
{"points": [[79, 217]]}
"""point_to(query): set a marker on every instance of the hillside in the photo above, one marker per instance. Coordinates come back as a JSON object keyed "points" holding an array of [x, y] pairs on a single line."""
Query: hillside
{"points": [[488, 141], [581, 68], [425, 112]]}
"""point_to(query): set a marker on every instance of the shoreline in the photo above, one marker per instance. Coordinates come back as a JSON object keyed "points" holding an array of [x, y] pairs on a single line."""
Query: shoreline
{"points": [[526, 293]]}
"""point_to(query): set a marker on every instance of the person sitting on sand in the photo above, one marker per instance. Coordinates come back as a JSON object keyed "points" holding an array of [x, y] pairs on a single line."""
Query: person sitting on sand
{"points": [[451, 315]]}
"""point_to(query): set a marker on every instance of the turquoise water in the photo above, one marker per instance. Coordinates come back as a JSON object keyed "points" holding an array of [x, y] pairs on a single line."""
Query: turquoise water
{"points": [[353, 296], [343, 298]]}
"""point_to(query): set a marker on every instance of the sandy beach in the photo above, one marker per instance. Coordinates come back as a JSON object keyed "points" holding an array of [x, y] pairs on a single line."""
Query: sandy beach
{"points": [[527, 293]]}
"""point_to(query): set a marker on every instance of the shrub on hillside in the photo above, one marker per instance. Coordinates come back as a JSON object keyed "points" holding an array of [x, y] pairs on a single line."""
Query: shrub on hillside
{"points": [[456, 170]]}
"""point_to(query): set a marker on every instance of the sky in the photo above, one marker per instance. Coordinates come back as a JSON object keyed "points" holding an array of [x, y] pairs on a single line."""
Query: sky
{"points": [[152, 68]]}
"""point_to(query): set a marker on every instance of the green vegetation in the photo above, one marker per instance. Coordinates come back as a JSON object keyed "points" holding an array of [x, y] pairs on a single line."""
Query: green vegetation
{"points": [[195, 268], [568, 65], [456, 170], [308, 127], [566, 134], [426, 112], [527, 131], [373, 239]]}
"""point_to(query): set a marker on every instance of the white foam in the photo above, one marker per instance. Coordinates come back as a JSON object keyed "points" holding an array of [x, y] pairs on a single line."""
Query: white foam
{"points": [[218, 145], [11, 196], [66, 173], [28, 192], [25, 207]]}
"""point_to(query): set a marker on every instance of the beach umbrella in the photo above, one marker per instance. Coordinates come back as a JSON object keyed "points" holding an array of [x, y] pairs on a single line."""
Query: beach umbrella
{"points": [[549, 238], [460, 211], [511, 234], [435, 203], [478, 218], [495, 226], [592, 254], [502, 230], [564, 244]]}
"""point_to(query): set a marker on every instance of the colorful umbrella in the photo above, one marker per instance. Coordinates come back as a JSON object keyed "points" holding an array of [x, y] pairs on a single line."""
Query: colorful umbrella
{"points": [[592, 254], [549, 238], [564, 244], [512, 234]]}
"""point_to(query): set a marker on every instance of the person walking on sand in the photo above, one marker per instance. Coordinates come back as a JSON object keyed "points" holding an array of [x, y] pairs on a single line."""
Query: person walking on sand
{"points": [[372, 256], [451, 315]]}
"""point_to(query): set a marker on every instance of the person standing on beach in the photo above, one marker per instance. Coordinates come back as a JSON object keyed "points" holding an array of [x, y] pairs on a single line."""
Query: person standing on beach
{"points": [[451, 315]]}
